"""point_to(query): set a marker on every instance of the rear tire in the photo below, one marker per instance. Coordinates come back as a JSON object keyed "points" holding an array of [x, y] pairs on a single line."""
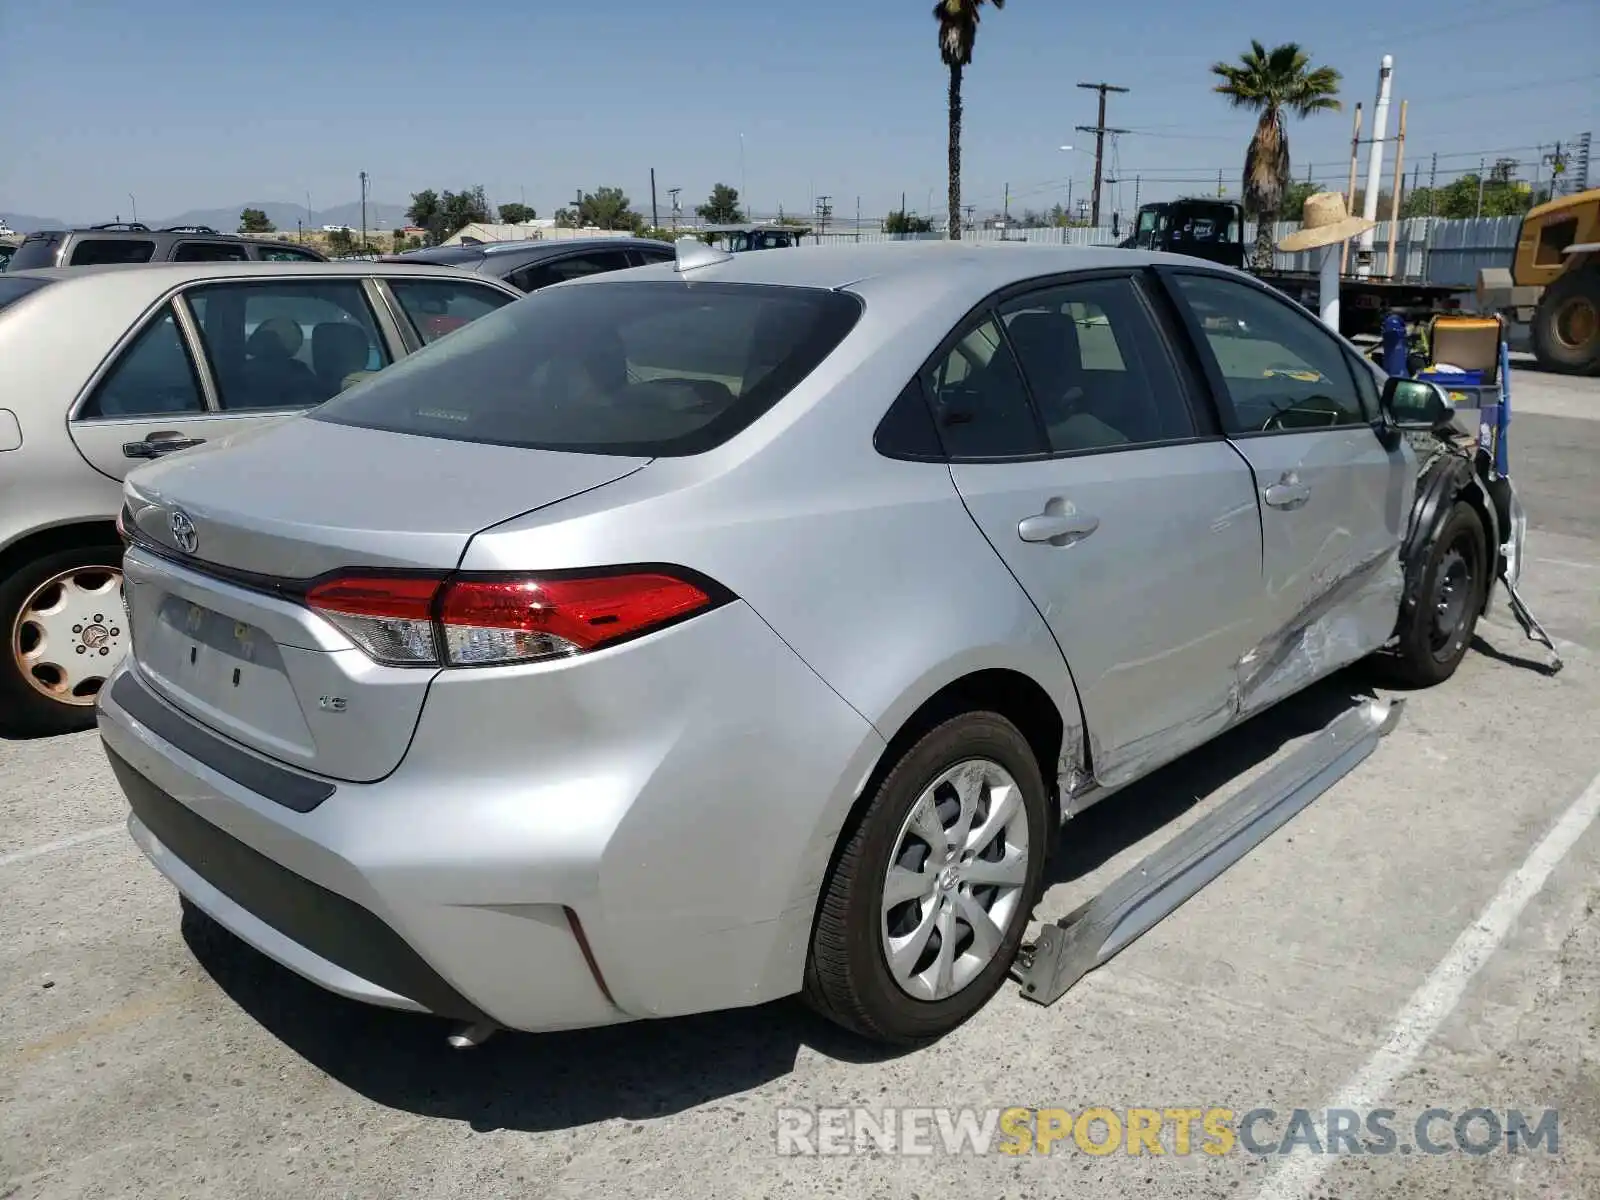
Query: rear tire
{"points": [[1453, 584], [55, 651], [954, 913], [1566, 325]]}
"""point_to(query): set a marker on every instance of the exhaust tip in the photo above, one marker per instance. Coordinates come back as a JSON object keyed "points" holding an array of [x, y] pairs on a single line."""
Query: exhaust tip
{"points": [[468, 1034]]}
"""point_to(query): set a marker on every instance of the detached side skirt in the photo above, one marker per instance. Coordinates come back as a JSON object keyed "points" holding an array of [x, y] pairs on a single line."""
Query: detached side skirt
{"points": [[1069, 949]]}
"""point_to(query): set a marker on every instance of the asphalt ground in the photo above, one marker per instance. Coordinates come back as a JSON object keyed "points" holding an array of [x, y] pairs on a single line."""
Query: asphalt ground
{"points": [[1424, 937]]}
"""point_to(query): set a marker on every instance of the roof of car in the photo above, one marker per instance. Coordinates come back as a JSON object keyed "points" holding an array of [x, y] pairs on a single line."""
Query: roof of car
{"points": [[979, 267], [534, 247], [160, 276]]}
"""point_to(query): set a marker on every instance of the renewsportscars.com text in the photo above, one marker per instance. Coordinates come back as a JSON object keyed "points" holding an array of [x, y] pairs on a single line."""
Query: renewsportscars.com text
{"points": [[1176, 1131]]}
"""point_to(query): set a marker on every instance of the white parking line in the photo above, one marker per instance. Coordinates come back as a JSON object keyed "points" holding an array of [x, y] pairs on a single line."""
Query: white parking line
{"points": [[1567, 562], [1442, 990], [66, 843]]}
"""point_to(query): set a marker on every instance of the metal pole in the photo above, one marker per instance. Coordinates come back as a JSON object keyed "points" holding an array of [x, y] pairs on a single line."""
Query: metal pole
{"points": [[655, 213], [135, 204], [1481, 166], [1350, 193], [1399, 181], [363, 212], [1380, 129]]}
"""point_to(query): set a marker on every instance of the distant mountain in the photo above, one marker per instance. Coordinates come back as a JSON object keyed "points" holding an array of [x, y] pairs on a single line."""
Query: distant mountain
{"points": [[284, 216], [27, 223]]}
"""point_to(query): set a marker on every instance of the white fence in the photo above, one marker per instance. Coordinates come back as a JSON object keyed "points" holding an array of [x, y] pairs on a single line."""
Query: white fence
{"points": [[1426, 248]]}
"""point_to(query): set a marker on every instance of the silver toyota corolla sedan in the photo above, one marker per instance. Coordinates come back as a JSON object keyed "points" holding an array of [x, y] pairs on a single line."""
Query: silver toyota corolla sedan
{"points": [[691, 636]]}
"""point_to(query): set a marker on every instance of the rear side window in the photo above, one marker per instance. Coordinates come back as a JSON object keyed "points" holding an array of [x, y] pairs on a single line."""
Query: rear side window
{"points": [[154, 377], [636, 369], [979, 403], [97, 252], [210, 252], [12, 290], [1096, 366], [285, 254]]}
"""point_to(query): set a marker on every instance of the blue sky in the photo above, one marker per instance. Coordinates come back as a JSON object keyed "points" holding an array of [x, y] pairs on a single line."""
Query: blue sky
{"points": [[193, 105]]}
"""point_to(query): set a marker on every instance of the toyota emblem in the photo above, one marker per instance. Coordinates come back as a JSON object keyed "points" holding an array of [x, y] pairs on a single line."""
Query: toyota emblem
{"points": [[184, 534]]}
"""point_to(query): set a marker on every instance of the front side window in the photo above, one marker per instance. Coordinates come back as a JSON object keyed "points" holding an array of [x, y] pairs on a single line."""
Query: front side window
{"points": [[636, 369], [979, 404], [436, 307], [154, 376], [288, 343], [1096, 364], [98, 252], [1280, 368]]}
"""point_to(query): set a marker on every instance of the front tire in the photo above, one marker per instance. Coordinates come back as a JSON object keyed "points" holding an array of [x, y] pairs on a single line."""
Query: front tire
{"points": [[1451, 589], [1566, 325], [924, 910], [65, 631]]}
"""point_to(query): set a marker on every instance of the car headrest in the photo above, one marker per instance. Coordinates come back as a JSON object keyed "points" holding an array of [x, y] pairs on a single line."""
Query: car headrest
{"points": [[338, 348], [276, 337]]}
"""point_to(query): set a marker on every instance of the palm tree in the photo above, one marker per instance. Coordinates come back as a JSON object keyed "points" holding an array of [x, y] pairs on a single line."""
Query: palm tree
{"points": [[958, 30], [1273, 83]]}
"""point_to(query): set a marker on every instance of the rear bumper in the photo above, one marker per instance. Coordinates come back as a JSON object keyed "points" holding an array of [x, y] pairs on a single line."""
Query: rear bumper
{"points": [[679, 796]]}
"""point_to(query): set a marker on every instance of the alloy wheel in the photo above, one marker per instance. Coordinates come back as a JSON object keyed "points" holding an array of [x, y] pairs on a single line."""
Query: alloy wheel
{"points": [[955, 879], [70, 633]]}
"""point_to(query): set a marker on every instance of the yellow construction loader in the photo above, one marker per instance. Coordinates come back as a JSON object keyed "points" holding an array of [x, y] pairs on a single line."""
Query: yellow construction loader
{"points": [[1553, 285]]}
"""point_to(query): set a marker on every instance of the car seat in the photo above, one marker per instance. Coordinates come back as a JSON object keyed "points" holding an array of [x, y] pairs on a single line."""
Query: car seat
{"points": [[274, 377], [1046, 343], [340, 351]]}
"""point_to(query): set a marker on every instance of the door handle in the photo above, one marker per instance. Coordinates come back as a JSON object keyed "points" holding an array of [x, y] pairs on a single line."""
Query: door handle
{"points": [[1287, 493], [156, 444], [1057, 528]]}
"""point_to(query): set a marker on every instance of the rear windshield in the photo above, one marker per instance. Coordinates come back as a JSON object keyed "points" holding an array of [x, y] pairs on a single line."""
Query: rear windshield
{"points": [[34, 252], [637, 369], [453, 256], [12, 290]]}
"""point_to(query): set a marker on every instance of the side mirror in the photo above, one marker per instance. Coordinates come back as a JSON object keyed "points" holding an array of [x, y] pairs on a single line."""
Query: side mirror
{"points": [[1415, 404]]}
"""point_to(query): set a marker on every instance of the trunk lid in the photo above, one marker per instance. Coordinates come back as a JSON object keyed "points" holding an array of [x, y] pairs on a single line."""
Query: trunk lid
{"points": [[225, 538]]}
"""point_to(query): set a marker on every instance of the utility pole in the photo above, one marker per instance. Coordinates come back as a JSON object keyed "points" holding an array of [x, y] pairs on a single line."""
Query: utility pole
{"points": [[673, 192], [1481, 166], [655, 213], [824, 211], [1006, 211], [363, 212], [1558, 164], [972, 209], [1135, 193], [1221, 190], [1099, 129], [858, 218], [577, 208]]}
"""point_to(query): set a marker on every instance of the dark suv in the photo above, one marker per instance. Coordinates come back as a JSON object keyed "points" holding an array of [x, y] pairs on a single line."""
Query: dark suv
{"points": [[122, 243], [535, 263]]}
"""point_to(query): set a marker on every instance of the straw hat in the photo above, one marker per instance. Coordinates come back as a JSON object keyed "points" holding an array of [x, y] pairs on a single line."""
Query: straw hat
{"points": [[1325, 223]]}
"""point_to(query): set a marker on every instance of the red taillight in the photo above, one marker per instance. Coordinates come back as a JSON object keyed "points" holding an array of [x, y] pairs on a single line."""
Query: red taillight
{"points": [[408, 621], [517, 620]]}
